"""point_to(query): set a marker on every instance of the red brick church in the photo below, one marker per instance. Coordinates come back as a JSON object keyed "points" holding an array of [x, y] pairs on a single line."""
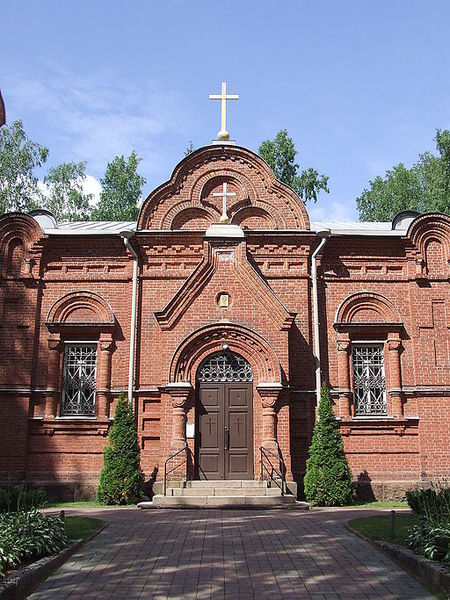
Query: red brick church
{"points": [[220, 312]]}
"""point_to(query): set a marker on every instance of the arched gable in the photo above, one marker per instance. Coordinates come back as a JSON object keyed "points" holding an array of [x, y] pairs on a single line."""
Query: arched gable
{"points": [[191, 199], [18, 232], [82, 307], [19, 225], [215, 338], [367, 308], [430, 234]]}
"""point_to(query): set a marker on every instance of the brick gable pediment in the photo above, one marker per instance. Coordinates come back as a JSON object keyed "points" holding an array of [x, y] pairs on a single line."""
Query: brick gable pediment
{"points": [[189, 200], [226, 270]]}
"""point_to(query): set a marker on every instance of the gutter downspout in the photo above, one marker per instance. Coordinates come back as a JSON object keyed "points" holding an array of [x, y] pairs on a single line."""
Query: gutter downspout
{"points": [[126, 239], [324, 234]]}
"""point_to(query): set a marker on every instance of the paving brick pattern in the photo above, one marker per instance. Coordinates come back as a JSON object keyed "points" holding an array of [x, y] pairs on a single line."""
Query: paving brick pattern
{"points": [[228, 554]]}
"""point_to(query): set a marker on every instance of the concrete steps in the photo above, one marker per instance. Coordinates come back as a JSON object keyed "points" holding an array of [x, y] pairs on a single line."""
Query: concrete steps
{"points": [[223, 494]]}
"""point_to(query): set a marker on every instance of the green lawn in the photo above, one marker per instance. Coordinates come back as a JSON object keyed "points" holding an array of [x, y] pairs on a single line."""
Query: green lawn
{"points": [[379, 527], [81, 527], [381, 504], [83, 504]]}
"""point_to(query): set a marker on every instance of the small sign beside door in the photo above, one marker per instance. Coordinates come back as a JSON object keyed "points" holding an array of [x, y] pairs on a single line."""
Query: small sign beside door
{"points": [[190, 431]]}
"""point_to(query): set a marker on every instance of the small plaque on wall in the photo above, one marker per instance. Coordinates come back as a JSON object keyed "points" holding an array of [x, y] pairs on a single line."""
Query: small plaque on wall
{"points": [[190, 431]]}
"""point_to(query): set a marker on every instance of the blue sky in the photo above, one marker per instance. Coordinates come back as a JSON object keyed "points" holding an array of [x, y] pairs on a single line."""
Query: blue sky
{"points": [[359, 85]]}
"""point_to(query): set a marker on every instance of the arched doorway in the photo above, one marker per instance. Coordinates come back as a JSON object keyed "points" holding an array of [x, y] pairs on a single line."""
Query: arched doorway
{"points": [[224, 415]]}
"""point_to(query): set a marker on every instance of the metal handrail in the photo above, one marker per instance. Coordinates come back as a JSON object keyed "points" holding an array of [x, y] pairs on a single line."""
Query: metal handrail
{"points": [[281, 472], [166, 472]]}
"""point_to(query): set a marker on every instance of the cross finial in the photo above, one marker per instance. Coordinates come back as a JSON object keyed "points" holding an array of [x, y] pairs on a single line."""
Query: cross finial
{"points": [[224, 194], [223, 133]]}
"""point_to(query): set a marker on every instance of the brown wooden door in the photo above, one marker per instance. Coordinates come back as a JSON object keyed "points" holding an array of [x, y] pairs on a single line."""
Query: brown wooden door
{"points": [[224, 448]]}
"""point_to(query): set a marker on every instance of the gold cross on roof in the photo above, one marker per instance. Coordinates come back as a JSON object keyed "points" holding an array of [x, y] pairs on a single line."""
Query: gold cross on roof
{"points": [[223, 133]]}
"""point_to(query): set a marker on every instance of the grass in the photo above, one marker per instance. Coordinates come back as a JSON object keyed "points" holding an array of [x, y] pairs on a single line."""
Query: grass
{"points": [[379, 527], [81, 527], [381, 504], [84, 504]]}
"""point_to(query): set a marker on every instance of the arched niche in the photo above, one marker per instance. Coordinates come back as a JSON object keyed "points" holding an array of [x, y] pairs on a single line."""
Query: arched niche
{"points": [[81, 307], [366, 307]]}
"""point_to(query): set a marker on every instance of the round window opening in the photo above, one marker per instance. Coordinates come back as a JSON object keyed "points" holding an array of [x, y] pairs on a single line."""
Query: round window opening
{"points": [[225, 367]]}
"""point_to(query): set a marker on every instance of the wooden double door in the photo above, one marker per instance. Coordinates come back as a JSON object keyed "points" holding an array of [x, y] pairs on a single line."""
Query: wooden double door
{"points": [[224, 440]]}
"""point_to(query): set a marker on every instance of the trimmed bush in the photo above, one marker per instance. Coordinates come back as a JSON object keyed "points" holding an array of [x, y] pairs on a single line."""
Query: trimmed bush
{"points": [[26, 536], [121, 479], [19, 498], [328, 479]]}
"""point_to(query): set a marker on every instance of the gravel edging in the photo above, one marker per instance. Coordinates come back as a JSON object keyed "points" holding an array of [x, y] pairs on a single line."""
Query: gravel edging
{"points": [[429, 571], [22, 582]]}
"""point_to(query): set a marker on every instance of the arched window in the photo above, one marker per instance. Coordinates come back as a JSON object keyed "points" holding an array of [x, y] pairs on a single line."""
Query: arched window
{"points": [[224, 367]]}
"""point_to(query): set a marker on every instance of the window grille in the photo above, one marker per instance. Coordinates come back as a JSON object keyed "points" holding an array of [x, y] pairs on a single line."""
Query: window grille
{"points": [[225, 367], [79, 376], [369, 387]]}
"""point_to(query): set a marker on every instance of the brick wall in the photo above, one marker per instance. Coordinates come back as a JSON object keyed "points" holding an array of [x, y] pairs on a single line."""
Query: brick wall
{"points": [[401, 284]]}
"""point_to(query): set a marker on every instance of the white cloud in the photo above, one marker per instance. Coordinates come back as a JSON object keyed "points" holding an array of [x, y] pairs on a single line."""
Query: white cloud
{"points": [[92, 186], [331, 211], [96, 118]]}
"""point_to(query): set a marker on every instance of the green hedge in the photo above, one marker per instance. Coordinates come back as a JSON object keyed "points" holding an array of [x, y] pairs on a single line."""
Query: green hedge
{"points": [[27, 536]]}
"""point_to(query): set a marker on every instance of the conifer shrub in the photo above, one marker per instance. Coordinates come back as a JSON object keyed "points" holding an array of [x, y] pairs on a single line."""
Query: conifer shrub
{"points": [[121, 479], [328, 479]]}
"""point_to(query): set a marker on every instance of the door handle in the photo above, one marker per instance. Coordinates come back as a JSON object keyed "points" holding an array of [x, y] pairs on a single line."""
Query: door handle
{"points": [[227, 439]]}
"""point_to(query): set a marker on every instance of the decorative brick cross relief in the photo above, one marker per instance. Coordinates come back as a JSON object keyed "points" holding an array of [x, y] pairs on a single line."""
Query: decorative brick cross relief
{"points": [[437, 333]]}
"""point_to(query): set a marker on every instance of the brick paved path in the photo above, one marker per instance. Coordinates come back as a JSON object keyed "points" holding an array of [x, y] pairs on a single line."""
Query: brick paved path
{"points": [[228, 554]]}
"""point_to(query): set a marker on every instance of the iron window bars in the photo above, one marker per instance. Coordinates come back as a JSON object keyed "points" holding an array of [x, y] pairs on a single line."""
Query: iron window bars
{"points": [[225, 367], [79, 377], [369, 386]]}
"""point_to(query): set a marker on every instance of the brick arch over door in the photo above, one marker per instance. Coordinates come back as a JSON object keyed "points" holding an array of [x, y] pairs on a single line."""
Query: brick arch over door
{"points": [[367, 307], [80, 307], [238, 339]]}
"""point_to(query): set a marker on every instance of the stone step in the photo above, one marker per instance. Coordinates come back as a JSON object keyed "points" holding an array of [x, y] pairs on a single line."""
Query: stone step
{"points": [[223, 491], [226, 483], [223, 502]]}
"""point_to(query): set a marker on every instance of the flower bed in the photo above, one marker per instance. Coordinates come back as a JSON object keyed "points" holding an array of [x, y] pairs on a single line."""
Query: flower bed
{"points": [[28, 536]]}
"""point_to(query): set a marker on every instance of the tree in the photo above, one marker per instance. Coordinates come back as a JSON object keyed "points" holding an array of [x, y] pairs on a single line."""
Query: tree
{"points": [[121, 190], [328, 479], [280, 156], [121, 479], [66, 199], [19, 157], [425, 187]]}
